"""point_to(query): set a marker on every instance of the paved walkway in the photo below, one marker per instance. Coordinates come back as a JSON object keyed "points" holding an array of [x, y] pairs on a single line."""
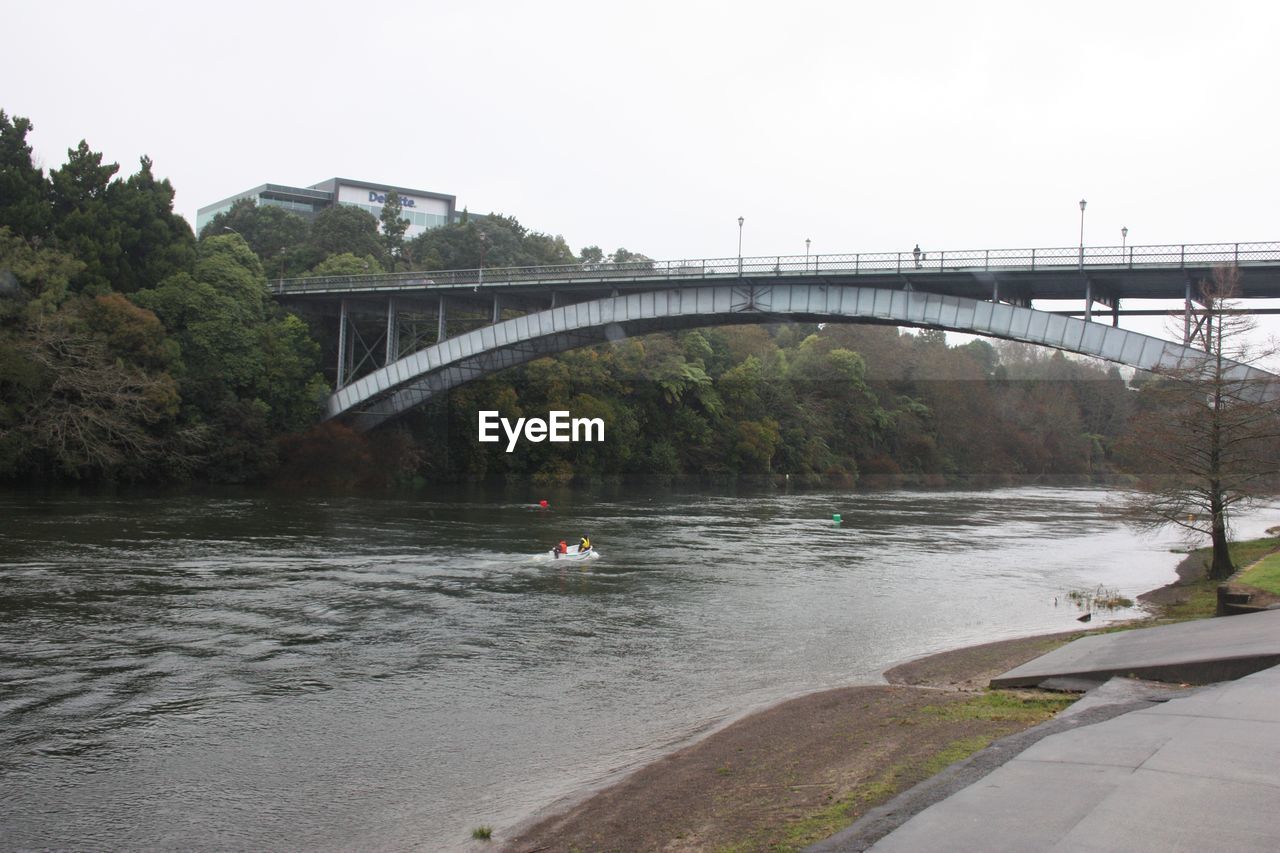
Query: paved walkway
{"points": [[1131, 767]]}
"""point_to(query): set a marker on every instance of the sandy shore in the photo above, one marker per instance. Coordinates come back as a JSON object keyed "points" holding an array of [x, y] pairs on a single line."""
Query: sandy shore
{"points": [[798, 771]]}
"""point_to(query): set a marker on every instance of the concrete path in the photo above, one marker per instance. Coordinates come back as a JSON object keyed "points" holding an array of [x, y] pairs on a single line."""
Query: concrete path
{"points": [[1132, 766], [1199, 772], [1200, 652]]}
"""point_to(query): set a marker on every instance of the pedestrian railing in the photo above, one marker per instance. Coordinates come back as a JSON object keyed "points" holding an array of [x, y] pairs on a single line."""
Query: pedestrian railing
{"points": [[1198, 255]]}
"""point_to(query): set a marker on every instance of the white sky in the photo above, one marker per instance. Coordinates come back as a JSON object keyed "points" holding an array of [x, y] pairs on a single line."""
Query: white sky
{"points": [[865, 126]]}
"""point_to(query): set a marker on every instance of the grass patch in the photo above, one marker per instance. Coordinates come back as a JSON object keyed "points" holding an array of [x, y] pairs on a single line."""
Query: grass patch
{"points": [[1003, 705], [1265, 575], [1200, 599], [482, 833], [1244, 553], [883, 788], [955, 751]]}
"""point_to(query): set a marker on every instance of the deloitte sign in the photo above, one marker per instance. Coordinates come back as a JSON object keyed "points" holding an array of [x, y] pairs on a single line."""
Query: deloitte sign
{"points": [[381, 198]]}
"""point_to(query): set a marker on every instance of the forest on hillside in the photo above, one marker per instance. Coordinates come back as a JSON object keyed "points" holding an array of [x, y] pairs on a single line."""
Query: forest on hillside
{"points": [[131, 350]]}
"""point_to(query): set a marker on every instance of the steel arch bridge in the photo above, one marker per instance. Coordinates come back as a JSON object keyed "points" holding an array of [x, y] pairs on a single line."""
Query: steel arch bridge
{"points": [[411, 380]]}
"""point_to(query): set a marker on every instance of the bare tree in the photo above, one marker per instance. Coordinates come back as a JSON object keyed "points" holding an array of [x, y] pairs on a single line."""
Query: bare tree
{"points": [[1207, 432], [94, 414]]}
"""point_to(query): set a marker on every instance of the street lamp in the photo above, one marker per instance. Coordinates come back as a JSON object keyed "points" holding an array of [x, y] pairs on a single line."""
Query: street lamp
{"points": [[1082, 204], [1124, 240], [484, 244], [806, 254], [740, 221]]}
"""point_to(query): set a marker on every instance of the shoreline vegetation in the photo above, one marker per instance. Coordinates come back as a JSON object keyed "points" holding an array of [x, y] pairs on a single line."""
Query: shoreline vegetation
{"points": [[134, 351], [799, 771]]}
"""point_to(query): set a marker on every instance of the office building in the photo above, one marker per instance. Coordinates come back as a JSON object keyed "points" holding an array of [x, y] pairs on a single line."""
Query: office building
{"points": [[422, 209]]}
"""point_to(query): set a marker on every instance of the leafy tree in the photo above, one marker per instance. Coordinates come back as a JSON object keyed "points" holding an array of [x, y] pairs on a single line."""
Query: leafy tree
{"points": [[27, 207], [489, 241], [630, 260], [32, 280], [1210, 434], [343, 228], [280, 238], [155, 243], [246, 372], [85, 226], [394, 225], [346, 264], [290, 382]]}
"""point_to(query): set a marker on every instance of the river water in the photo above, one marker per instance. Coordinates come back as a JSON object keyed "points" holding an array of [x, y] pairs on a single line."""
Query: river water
{"points": [[257, 671]]}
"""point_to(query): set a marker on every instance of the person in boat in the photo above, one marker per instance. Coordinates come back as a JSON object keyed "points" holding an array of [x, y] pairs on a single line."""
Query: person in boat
{"points": [[585, 545], [562, 548]]}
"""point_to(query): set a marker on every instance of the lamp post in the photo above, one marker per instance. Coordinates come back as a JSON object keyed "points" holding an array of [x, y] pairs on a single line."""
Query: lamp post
{"points": [[484, 244], [740, 221], [806, 254], [1124, 241], [1082, 204]]}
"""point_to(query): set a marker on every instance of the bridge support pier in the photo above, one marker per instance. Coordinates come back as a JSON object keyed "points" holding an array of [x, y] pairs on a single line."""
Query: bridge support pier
{"points": [[344, 345], [440, 318], [393, 331], [497, 308], [1186, 315]]}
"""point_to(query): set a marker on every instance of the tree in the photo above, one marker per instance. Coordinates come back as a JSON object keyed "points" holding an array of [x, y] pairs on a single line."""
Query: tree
{"points": [[85, 225], [155, 243], [1208, 429], [591, 256], [247, 372], [489, 241], [277, 236], [27, 207], [82, 405], [343, 228], [346, 264], [393, 226]]}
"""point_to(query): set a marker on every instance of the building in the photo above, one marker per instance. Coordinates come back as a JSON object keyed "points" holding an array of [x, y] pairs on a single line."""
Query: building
{"points": [[422, 209]]}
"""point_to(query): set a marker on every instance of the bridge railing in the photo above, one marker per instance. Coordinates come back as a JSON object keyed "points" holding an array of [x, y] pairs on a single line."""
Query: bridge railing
{"points": [[870, 263]]}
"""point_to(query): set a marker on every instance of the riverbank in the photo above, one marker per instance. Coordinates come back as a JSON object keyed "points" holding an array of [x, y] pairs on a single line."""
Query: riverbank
{"points": [[799, 771]]}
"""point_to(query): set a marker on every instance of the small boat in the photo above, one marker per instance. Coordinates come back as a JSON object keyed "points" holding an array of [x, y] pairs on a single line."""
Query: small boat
{"points": [[573, 553]]}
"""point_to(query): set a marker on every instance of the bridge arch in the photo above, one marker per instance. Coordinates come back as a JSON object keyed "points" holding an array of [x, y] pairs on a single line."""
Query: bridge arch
{"points": [[419, 376]]}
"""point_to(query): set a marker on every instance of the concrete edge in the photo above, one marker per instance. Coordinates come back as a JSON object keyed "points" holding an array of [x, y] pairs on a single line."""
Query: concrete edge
{"points": [[1207, 671]]}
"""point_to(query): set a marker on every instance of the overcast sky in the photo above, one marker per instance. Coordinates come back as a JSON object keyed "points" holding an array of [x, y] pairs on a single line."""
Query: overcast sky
{"points": [[862, 126]]}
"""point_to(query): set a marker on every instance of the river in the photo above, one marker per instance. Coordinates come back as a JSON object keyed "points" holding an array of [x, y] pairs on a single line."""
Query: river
{"points": [[247, 670]]}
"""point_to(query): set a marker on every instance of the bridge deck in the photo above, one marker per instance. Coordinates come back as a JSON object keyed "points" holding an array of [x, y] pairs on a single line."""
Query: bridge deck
{"points": [[1103, 274]]}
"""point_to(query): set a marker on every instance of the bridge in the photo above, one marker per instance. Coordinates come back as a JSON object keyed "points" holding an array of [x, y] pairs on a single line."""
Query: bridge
{"points": [[432, 331]]}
